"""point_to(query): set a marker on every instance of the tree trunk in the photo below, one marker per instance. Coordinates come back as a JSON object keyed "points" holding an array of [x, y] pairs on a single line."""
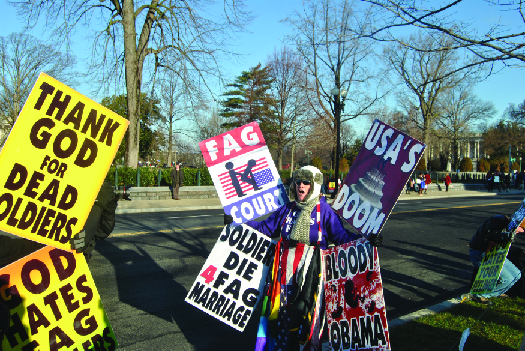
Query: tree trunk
{"points": [[170, 134], [293, 148], [132, 84], [426, 135]]}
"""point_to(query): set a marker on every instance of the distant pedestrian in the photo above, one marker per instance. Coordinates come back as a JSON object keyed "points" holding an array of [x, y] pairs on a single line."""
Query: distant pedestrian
{"points": [[497, 181], [506, 182], [448, 181], [490, 181], [427, 181], [177, 179], [422, 184]]}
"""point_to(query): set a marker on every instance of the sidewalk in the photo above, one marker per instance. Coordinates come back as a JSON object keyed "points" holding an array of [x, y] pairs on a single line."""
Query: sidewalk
{"points": [[215, 204]]}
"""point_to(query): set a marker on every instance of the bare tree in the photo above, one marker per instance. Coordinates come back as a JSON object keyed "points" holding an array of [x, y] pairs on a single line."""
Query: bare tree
{"points": [[174, 109], [516, 113], [178, 30], [460, 112], [426, 75], [209, 123], [22, 58], [289, 97], [324, 34], [498, 43]]}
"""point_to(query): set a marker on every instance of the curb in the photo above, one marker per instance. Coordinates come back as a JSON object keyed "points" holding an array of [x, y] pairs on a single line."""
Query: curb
{"points": [[425, 312]]}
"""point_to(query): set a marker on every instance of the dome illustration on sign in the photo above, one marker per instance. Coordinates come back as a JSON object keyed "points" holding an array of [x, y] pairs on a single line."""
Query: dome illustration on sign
{"points": [[370, 188]]}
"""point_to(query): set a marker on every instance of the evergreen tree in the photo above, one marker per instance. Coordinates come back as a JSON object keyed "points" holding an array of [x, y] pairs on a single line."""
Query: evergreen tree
{"points": [[249, 100]]}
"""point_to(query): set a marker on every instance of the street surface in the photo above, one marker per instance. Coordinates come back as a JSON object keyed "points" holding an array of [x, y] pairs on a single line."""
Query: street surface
{"points": [[145, 268]]}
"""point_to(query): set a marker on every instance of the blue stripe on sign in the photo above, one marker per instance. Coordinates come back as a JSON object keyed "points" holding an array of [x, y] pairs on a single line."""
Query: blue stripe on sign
{"points": [[257, 205]]}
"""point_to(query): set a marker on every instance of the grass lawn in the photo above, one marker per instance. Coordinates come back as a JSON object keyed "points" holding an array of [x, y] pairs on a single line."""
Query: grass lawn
{"points": [[495, 327]]}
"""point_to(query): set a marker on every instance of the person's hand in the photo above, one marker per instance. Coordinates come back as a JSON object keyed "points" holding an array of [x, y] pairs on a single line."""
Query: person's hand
{"points": [[376, 240], [519, 230], [78, 242], [228, 219]]}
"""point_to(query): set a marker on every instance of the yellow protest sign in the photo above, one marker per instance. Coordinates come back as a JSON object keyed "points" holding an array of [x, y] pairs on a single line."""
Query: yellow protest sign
{"points": [[54, 162], [54, 304]]}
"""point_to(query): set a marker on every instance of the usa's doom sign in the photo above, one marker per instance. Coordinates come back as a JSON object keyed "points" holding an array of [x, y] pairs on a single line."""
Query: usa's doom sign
{"points": [[243, 172]]}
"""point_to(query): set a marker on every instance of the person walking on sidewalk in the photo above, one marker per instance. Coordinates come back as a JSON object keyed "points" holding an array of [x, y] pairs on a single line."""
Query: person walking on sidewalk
{"points": [[177, 179], [422, 184], [490, 181], [427, 181], [448, 181]]}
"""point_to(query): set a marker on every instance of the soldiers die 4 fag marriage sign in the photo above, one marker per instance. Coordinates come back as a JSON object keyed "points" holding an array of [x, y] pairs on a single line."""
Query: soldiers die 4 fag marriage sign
{"points": [[54, 162]]}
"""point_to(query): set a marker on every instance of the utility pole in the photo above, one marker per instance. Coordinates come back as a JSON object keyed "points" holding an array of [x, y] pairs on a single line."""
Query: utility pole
{"points": [[510, 159]]}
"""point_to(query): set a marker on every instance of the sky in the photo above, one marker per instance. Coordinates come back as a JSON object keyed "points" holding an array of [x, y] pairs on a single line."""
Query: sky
{"points": [[266, 34]]}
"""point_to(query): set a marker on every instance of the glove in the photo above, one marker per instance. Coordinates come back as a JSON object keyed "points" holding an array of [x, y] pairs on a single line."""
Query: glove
{"points": [[228, 219], [376, 240], [78, 242], [499, 236]]}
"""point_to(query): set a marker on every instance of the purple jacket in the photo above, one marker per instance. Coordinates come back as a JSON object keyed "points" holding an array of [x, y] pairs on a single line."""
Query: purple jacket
{"points": [[281, 221]]}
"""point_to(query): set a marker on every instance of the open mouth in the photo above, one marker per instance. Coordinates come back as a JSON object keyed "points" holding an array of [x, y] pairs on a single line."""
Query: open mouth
{"points": [[301, 191]]}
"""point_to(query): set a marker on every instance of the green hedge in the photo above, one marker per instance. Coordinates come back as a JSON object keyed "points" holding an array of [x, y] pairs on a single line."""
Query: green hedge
{"points": [[149, 176], [285, 175]]}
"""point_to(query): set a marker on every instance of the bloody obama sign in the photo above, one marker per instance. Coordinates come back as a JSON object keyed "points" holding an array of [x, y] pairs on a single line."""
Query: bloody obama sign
{"points": [[355, 306], [243, 172], [377, 177]]}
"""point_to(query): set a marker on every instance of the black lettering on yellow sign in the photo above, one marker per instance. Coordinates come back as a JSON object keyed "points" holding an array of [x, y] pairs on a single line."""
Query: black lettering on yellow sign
{"points": [[40, 138], [23, 214], [75, 116], [57, 303]]}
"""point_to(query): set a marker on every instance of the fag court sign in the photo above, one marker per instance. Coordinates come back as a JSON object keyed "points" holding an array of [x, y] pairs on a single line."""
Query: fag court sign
{"points": [[54, 162], [54, 304], [247, 181]]}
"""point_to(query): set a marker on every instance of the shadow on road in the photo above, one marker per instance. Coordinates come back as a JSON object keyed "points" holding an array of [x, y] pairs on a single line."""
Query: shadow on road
{"points": [[158, 293]]}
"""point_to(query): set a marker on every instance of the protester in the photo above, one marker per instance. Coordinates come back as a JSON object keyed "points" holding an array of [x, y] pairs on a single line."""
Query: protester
{"points": [[99, 225], [448, 181], [305, 226], [493, 230], [177, 180]]}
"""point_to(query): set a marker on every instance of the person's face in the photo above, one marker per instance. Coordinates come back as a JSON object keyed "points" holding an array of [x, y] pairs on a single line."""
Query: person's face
{"points": [[177, 167], [302, 189]]}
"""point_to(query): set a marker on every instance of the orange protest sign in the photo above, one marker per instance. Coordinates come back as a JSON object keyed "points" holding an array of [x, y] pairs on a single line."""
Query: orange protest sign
{"points": [[54, 304], [54, 162]]}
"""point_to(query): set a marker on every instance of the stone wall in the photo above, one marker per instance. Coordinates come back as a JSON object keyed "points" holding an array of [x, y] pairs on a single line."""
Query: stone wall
{"points": [[164, 193]]}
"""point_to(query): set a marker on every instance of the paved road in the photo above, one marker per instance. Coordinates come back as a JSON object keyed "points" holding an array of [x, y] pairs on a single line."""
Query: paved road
{"points": [[144, 269]]}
